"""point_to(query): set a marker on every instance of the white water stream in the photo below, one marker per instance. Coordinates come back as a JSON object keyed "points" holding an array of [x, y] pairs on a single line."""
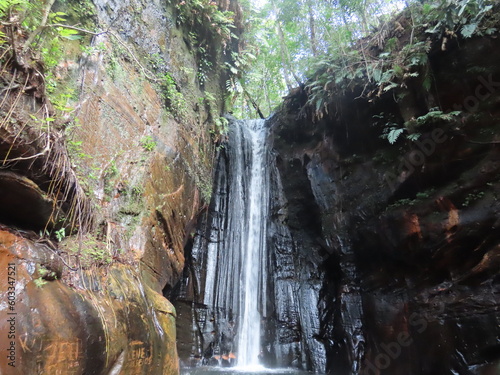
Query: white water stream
{"points": [[237, 262], [254, 249]]}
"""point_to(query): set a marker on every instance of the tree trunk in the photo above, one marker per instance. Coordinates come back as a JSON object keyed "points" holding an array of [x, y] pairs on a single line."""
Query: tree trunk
{"points": [[312, 29], [285, 54]]}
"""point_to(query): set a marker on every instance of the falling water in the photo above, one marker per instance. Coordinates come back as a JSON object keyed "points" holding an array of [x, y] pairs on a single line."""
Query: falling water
{"points": [[237, 258], [254, 254]]}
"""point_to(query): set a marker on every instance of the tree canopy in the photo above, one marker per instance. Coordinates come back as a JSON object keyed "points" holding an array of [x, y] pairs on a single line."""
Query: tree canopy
{"points": [[288, 41]]}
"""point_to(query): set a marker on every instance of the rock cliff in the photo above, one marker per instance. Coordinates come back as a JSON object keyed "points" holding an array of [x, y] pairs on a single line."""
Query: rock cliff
{"points": [[408, 230], [107, 141]]}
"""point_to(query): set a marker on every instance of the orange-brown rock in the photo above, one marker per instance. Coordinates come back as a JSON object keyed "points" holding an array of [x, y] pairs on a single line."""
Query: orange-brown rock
{"points": [[108, 322]]}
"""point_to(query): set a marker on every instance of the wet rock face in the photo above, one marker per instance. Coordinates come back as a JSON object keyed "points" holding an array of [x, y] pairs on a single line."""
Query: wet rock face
{"points": [[409, 234], [294, 279], [102, 324]]}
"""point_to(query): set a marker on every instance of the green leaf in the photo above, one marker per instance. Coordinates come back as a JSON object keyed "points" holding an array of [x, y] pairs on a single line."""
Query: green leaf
{"points": [[434, 30], [468, 30], [461, 11], [394, 134], [377, 74], [73, 37], [413, 137], [68, 33], [398, 70], [390, 86], [319, 104]]}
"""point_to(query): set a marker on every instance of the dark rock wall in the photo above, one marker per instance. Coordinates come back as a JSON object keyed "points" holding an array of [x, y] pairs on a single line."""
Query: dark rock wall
{"points": [[294, 283], [407, 234]]}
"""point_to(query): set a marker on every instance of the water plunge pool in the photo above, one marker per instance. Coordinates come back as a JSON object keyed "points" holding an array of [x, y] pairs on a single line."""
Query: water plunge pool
{"points": [[254, 370]]}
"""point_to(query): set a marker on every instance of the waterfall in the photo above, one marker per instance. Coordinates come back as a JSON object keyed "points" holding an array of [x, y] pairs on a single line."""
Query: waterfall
{"points": [[251, 281], [236, 274]]}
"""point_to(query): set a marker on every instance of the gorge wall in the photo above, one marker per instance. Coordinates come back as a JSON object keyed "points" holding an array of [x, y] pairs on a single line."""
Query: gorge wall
{"points": [[107, 143], [383, 233], [408, 232]]}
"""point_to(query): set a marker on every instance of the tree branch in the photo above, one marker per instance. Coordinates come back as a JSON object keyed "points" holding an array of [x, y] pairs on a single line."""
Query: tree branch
{"points": [[43, 23], [254, 104], [77, 29], [144, 70]]}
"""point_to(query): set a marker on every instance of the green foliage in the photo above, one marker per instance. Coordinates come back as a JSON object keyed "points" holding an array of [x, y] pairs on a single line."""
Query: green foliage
{"points": [[88, 250], [335, 46], [148, 143], [387, 71], [206, 190], [404, 202], [433, 117], [28, 10], [204, 65], [289, 40], [89, 50], [51, 53], [220, 125], [211, 31], [5, 5], [408, 202], [75, 150], [137, 192], [46, 274], [112, 170], [173, 96], [44, 41], [451, 17], [39, 282], [60, 234], [392, 131], [425, 194], [43, 124], [471, 197], [157, 62], [206, 16], [393, 135], [98, 254]]}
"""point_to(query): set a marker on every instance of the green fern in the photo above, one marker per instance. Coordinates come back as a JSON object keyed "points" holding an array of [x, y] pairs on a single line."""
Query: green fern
{"points": [[394, 134]]}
